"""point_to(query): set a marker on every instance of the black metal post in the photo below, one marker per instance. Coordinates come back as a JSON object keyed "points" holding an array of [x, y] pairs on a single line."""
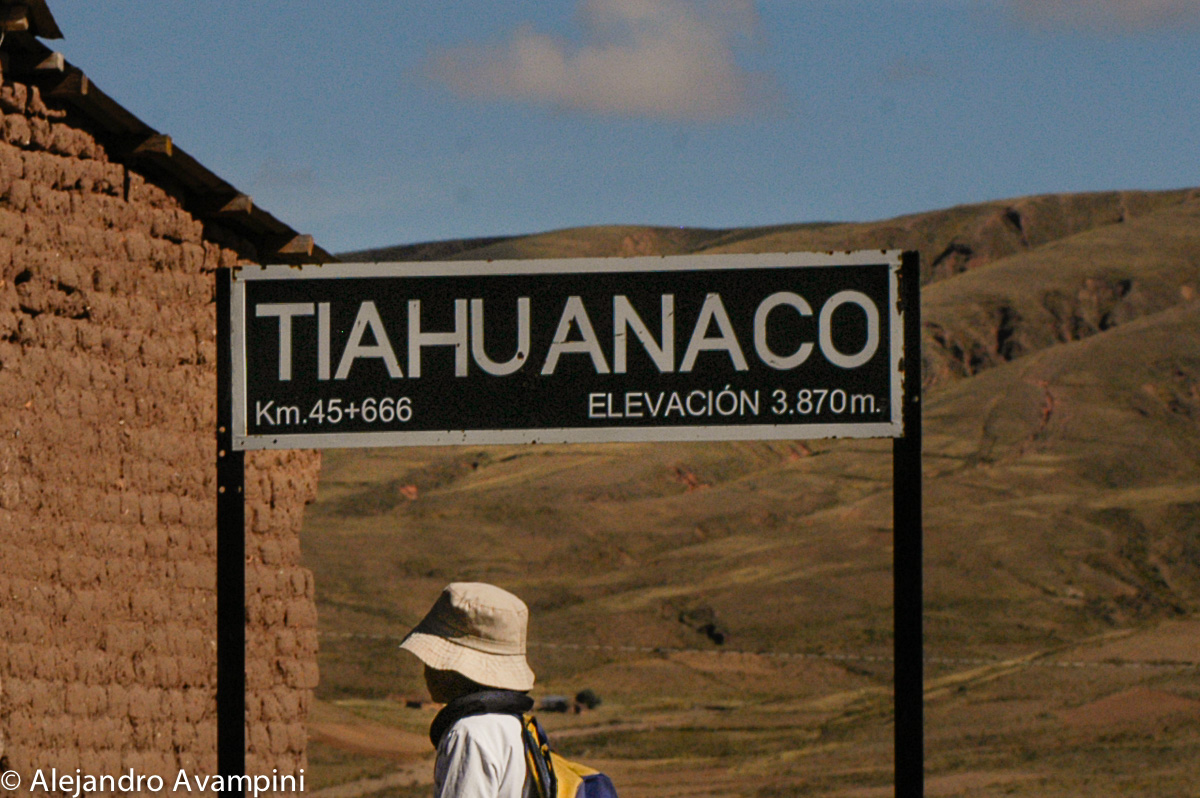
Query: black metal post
{"points": [[231, 557], [907, 549]]}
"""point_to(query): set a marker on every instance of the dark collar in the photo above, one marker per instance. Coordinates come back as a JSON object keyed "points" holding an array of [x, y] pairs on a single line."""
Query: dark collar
{"points": [[505, 702]]}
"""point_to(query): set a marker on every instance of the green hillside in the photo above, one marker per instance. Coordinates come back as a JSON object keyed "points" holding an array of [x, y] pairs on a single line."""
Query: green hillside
{"points": [[732, 602]]}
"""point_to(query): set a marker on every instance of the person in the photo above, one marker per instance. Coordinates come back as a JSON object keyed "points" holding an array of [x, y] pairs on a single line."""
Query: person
{"points": [[472, 643]]}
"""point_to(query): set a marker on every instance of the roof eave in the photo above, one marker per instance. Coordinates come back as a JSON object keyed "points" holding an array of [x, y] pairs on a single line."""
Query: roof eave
{"points": [[129, 140]]}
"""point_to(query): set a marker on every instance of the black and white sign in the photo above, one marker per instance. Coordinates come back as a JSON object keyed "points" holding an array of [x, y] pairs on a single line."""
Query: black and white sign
{"points": [[717, 347]]}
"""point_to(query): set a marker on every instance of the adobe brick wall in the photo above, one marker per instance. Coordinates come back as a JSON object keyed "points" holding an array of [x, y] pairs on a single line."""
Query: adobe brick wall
{"points": [[107, 478]]}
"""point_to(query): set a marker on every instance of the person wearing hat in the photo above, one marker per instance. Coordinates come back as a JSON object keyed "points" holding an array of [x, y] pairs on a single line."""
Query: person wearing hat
{"points": [[472, 643]]}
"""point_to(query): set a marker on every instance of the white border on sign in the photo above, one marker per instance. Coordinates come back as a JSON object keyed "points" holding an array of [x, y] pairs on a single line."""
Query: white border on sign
{"points": [[680, 263], [665, 263], [740, 432]]}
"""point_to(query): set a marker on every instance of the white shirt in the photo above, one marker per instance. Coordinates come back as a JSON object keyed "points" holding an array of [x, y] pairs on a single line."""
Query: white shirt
{"points": [[482, 756]]}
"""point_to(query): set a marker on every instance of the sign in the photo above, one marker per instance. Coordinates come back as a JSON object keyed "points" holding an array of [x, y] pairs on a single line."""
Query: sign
{"points": [[716, 347], [803, 345]]}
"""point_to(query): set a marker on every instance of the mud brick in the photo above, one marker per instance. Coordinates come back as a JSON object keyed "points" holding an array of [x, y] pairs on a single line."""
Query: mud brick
{"points": [[286, 644], [293, 672], [76, 699], [197, 513], [66, 760], [50, 202], [91, 665], [137, 247], [204, 575], [307, 640], [85, 734], [206, 739], [73, 143], [91, 761], [258, 738], [271, 615], [272, 710], [108, 181], [32, 628], [18, 194], [260, 674], [145, 670], [300, 579], [254, 707], [270, 552], [193, 256], [196, 702], [289, 764], [133, 760], [278, 734], [284, 584], [183, 738], [172, 701], [18, 693], [163, 254], [129, 512], [21, 659], [41, 134], [297, 739], [10, 494], [178, 537], [14, 97], [108, 760], [43, 698], [16, 130], [169, 675], [258, 518], [142, 703], [290, 544], [149, 507], [12, 225], [123, 639], [35, 106]]}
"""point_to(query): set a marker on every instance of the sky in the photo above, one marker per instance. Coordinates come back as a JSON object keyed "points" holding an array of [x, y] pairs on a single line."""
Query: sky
{"points": [[379, 122]]}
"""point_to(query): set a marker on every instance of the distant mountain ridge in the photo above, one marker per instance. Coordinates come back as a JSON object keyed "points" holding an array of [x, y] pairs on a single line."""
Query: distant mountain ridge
{"points": [[950, 241]]}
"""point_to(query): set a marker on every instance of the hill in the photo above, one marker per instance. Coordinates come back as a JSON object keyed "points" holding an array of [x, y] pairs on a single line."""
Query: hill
{"points": [[731, 603]]}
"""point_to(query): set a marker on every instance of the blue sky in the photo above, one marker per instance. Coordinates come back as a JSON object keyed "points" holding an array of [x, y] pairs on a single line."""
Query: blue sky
{"points": [[376, 122]]}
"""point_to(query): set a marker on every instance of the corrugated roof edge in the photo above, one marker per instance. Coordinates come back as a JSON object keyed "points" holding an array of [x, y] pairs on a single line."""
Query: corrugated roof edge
{"points": [[131, 141]]}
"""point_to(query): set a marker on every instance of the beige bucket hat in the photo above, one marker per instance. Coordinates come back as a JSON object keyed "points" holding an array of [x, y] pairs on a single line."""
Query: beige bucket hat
{"points": [[478, 630]]}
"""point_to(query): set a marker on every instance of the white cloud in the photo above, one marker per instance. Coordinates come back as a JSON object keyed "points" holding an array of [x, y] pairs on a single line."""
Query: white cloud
{"points": [[649, 58], [1109, 15]]}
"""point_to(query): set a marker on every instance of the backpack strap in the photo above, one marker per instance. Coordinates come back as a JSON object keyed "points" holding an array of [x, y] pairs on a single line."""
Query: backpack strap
{"points": [[537, 757]]}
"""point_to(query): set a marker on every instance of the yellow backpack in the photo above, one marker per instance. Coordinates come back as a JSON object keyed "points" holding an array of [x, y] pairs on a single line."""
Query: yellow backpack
{"points": [[556, 777]]}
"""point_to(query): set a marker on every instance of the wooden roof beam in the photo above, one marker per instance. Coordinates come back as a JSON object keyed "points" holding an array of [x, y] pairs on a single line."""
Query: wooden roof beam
{"points": [[73, 86], [158, 144], [14, 19], [44, 25], [224, 206], [292, 250], [291, 247], [36, 65]]}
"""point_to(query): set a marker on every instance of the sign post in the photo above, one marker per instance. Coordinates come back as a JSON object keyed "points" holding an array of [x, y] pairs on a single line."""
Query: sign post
{"points": [[778, 346], [231, 557], [907, 548]]}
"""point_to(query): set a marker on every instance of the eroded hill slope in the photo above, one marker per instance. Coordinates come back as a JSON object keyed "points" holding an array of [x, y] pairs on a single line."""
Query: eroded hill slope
{"points": [[1062, 496]]}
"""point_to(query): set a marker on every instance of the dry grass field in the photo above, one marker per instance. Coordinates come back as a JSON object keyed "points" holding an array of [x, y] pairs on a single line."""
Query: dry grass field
{"points": [[731, 603]]}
